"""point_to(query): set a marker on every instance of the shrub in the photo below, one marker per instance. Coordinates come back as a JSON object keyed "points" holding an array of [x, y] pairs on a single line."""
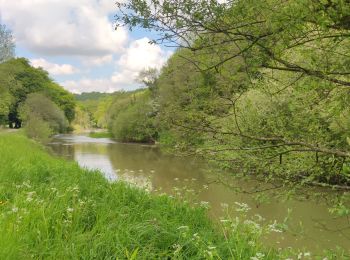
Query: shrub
{"points": [[42, 117], [38, 129]]}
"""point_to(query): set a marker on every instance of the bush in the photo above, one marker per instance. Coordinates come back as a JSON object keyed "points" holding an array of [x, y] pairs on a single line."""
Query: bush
{"points": [[38, 129], [133, 118], [42, 117]]}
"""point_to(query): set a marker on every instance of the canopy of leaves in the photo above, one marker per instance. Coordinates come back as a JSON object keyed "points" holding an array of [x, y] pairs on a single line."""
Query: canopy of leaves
{"points": [[19, 79], [42, 117], [91, 96], [260, 84], [132, 117], [41, 107]]}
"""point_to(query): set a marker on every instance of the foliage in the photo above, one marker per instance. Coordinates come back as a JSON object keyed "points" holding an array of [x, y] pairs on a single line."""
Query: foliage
{"points": [[258, 86], [266, 33], [38, 129], [91, 96], [64, 99], [42, 117], [7, 44], [19, 79], [132, 117], [52, 209], [82, 120], [95, 106], [148, 78], [5, 102]]}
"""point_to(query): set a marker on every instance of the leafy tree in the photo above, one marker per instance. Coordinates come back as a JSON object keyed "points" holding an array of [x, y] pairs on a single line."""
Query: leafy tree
{"points": [[91, 96], [148, 78], [21, 79], [5, 97], [82, 120], [132, 117], [266, 33], [42, 115], [64, 99], [261, 84], [7, 44]]}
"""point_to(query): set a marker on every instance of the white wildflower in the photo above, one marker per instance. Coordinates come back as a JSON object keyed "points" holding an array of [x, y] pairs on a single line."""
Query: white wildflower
{"points": [[204, 204], [258, 256], [30, 196], [252, 224], [242, 207], [224, 205], [259, 217], [251, 243], [274, 228]]}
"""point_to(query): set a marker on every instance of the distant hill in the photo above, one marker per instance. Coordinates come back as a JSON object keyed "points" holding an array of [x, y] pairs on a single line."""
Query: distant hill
{"points": [[91, 96]]}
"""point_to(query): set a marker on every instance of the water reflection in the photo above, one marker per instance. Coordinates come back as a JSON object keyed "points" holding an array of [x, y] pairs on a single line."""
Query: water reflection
{"points": [[147, 167]]}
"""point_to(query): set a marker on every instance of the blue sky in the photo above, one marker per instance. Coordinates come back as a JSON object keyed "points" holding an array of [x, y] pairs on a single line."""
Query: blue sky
{"points": [[75, 41]]}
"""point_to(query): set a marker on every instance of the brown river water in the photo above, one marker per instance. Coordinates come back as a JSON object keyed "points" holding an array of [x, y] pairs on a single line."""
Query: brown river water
{"points": [[311, 226]]}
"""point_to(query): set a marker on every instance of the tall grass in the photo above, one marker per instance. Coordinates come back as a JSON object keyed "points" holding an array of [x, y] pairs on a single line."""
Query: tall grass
{"points": [[52, 209]]}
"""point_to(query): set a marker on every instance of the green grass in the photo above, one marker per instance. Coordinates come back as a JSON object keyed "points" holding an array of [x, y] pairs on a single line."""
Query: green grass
{"points": [[100, 135], [52, 209]]}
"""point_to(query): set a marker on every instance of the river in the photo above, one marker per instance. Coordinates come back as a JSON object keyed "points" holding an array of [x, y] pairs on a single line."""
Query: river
{"points": [[311, 227]]}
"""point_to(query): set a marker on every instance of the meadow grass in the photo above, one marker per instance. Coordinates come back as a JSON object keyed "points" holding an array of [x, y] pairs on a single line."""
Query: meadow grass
{"points": [[52, 209]]}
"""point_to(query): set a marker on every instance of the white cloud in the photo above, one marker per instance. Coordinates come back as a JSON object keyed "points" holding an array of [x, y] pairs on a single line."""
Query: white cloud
{"points": [[89, 85], [140, 55], [97, 61], [53, 68], [80, 30], [56, 27]]}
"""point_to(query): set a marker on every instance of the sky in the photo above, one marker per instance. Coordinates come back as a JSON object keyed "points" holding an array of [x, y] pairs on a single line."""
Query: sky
{"points": [[75, 41]]}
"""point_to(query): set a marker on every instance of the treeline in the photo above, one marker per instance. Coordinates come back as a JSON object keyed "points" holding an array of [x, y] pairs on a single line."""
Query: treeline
{"points": [[31, 99], [128, 115], [261, 87], [91, 110]]}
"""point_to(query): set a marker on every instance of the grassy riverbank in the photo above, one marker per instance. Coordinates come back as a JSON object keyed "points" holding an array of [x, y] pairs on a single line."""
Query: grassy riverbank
{"points": [[51, 208], [100, 134]]}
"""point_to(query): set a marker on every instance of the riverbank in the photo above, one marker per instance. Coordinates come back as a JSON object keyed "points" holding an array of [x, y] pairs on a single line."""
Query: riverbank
{"points": [[51, 208]]}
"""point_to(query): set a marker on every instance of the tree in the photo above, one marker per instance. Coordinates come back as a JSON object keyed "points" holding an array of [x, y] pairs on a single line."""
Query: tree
{"points": [[266, 33], [42, 117], [7, 44], [262, 84], [149, 78], [132, 117], [21, 79]]}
